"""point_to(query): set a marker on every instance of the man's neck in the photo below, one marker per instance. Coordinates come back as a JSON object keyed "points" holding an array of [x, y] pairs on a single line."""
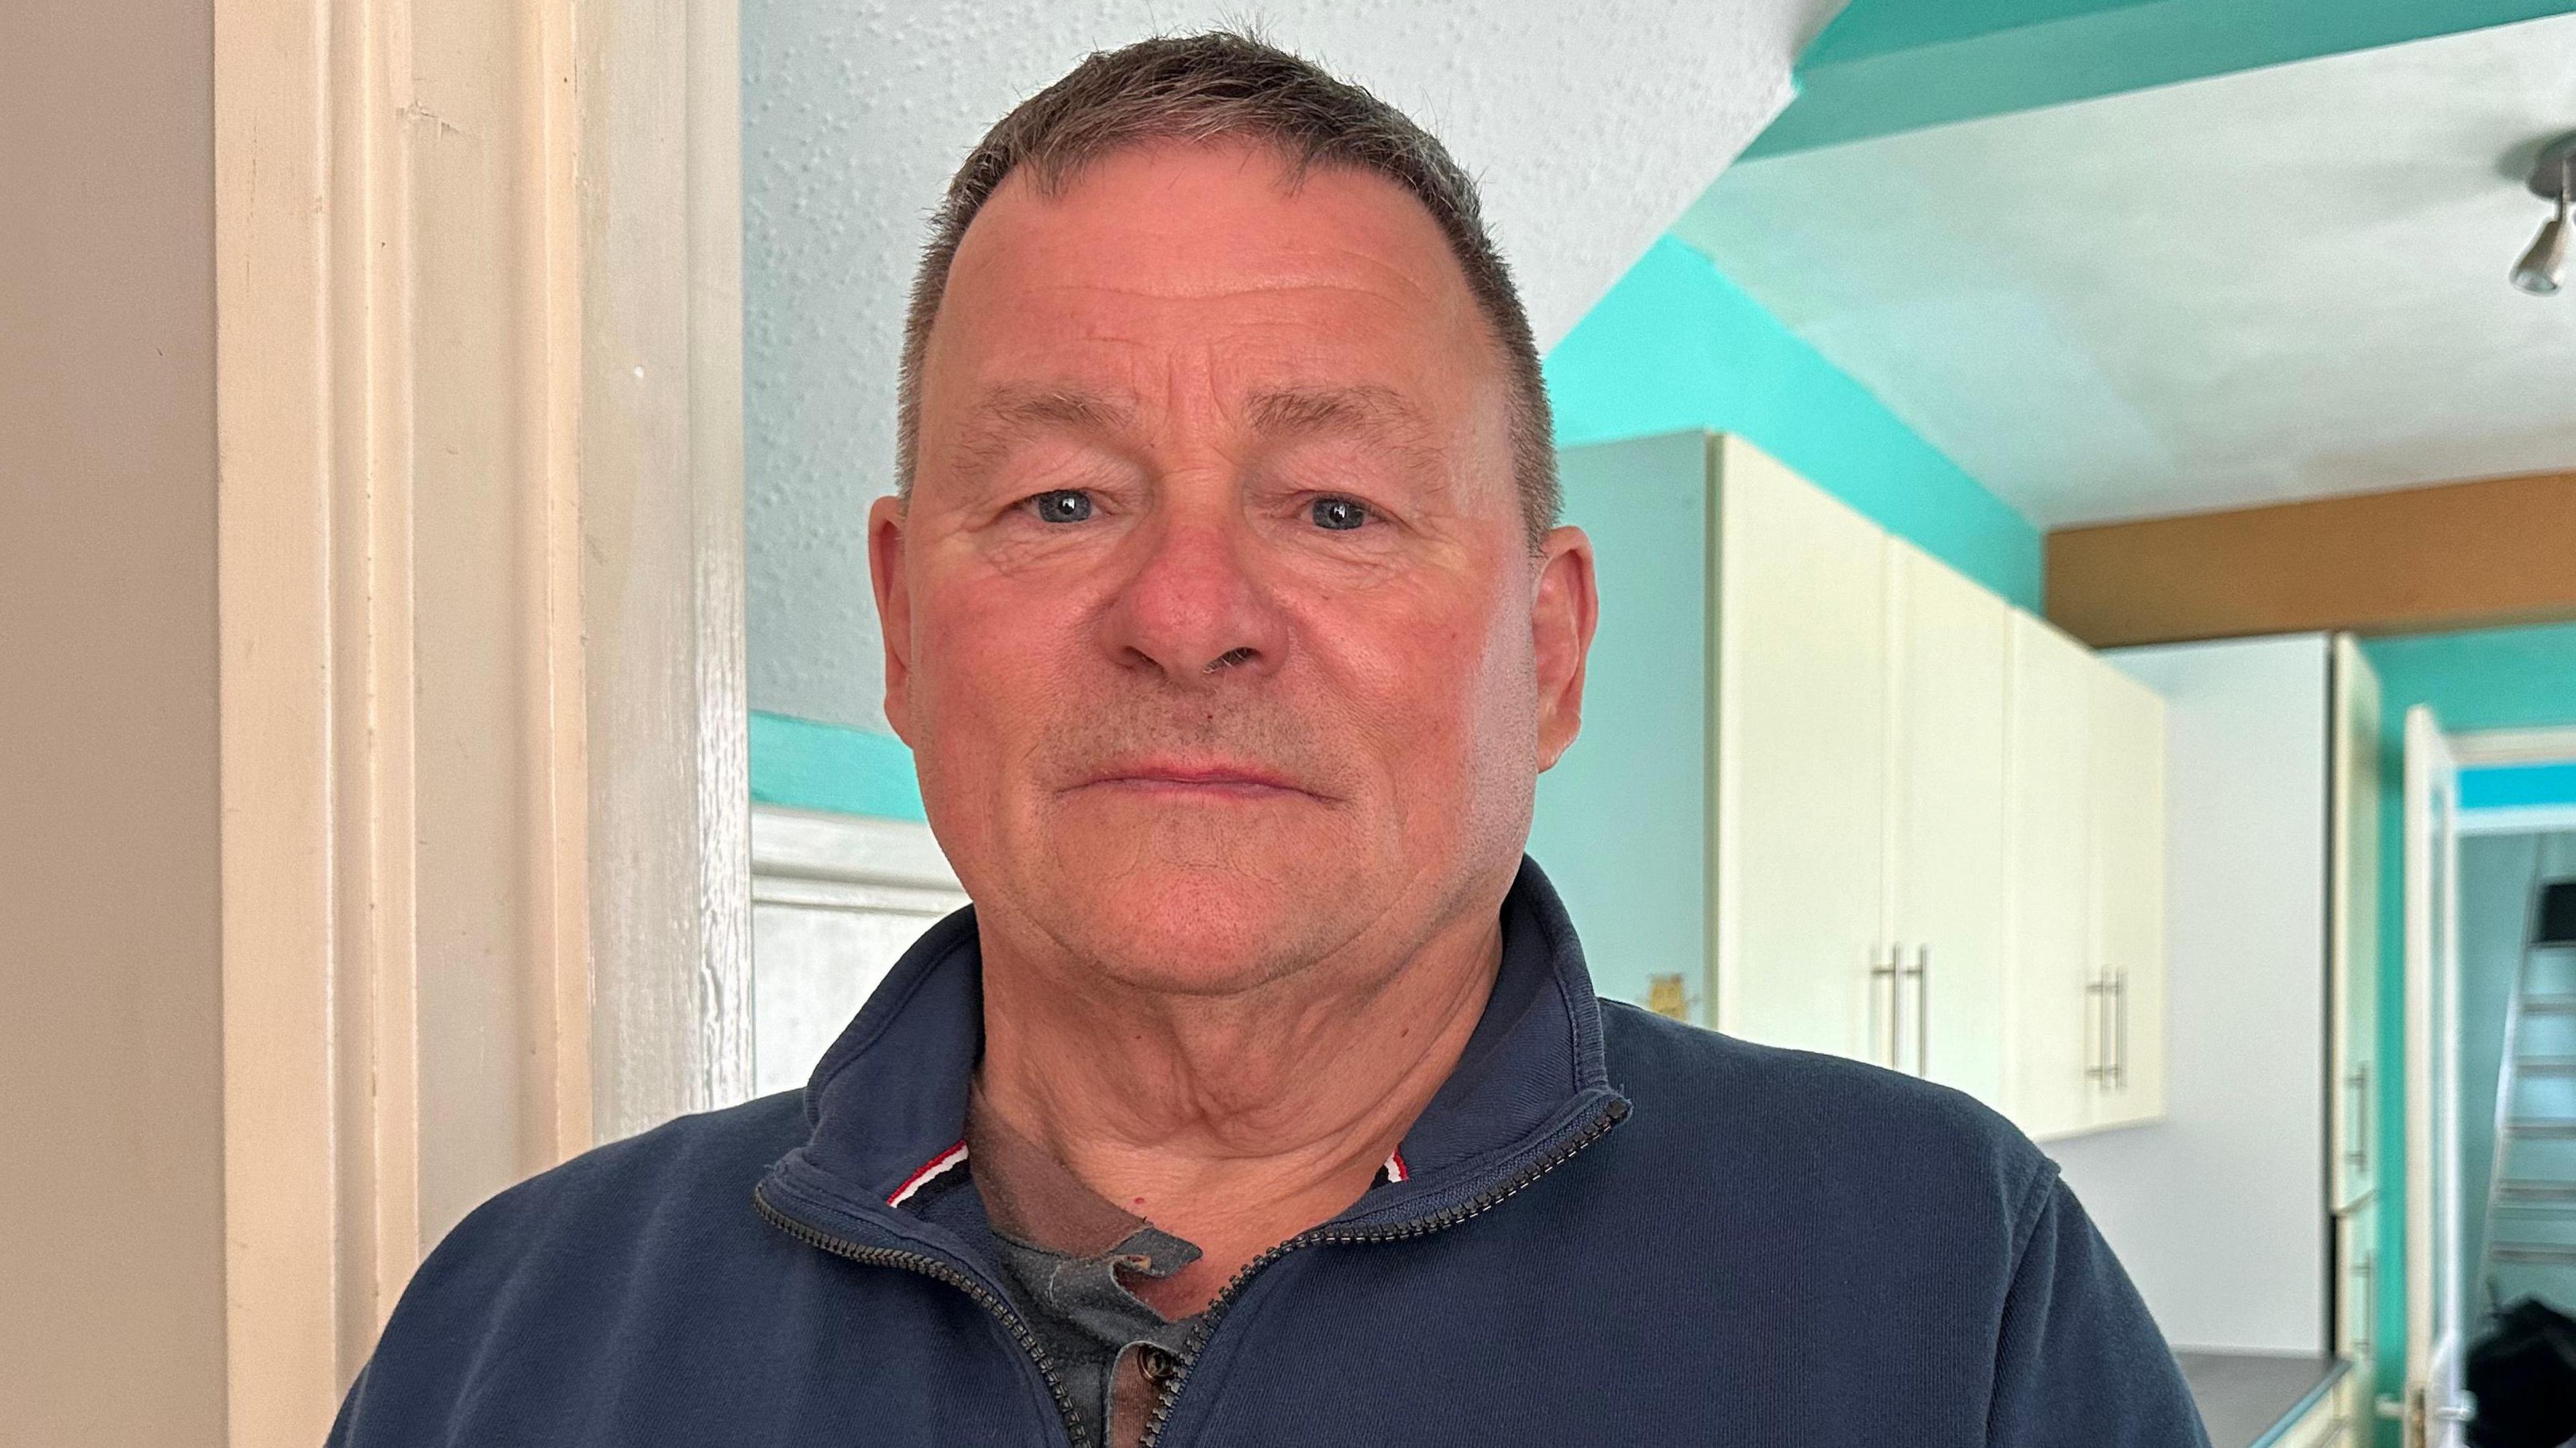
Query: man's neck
{"points": [[1233, 1121]]}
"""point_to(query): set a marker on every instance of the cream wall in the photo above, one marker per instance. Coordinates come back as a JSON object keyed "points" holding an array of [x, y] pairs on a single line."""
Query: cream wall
{"points": [[111, 1236]]}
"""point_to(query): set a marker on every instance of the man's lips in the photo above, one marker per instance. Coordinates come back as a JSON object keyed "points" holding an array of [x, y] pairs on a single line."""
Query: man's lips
{"points": [[1197, 779]]}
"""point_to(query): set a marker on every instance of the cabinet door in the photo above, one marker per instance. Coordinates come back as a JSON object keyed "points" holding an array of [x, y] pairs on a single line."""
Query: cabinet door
{"points": [[2357, 1299], [1802, 707], [2128, 894], [2054, 1018], [1950, 642], [2353, 982]]}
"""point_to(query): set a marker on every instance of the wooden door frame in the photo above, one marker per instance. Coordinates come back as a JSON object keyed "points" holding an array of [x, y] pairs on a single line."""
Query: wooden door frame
{"points": [[479, 591]]}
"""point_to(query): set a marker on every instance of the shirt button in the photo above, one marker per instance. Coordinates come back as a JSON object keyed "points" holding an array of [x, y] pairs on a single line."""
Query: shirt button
{"points": [[1156, 1363]]}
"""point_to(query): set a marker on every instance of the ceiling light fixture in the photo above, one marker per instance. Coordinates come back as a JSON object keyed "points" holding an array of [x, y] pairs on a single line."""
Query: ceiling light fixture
{"points": [[2552, 176]]}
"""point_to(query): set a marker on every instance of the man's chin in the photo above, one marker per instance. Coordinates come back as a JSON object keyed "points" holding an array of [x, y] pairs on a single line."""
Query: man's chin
{"points": [[1197, 932]]}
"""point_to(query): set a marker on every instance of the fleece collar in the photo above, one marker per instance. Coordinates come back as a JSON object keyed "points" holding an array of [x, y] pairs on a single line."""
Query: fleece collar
{"points": [[887, 1103]]}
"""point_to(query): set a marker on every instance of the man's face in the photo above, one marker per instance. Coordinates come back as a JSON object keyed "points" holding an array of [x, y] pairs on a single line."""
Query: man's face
{"points": [[1212, 618]]}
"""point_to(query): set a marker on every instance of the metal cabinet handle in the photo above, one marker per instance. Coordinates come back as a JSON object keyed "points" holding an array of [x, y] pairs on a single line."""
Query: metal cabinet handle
{"points": [[1923, 1010], [2120, 1014], [2111, 1020], [2358, 1082], [1887, 972], [2097, 1055]]}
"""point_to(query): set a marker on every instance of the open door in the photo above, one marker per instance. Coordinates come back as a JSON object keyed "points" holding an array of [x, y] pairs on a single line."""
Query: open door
{"points": [[2438, 1406]]}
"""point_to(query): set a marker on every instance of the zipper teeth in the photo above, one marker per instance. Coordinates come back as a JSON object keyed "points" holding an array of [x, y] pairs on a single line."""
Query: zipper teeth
{"points": [[1610, 1116], [930, 1266]]}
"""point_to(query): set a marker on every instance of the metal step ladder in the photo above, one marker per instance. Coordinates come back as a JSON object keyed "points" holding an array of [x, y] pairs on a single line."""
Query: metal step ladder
{"points": [[2531, 1195]]}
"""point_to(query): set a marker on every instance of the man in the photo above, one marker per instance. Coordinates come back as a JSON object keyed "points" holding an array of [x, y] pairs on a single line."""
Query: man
{"points": [[1261, 1097]]}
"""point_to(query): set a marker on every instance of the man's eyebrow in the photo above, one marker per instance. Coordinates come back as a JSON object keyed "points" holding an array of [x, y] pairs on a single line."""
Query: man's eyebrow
{"points": [[1329, 409], [1022, 405], [1008, 412]]}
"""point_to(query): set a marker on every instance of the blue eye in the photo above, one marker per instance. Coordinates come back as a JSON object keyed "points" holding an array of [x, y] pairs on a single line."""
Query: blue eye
{"points": [[1339, 514], [1063, 505]]}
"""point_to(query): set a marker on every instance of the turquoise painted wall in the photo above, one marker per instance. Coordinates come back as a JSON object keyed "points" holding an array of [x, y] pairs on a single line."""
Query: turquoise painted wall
{"points": [[1676, 345], [2517, 786], [2520, 678], [804, 765], [1621, 823]]}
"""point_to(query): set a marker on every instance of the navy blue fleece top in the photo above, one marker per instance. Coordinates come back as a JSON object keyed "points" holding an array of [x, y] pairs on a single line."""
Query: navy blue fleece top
{"points": [[1613, 1229]]}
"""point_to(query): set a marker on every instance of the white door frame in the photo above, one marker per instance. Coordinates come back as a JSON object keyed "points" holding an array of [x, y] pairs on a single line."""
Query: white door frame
{"points": [[2435, 1329], [2511, 747], [479, 588], [2432, 978], [2514, 746]]}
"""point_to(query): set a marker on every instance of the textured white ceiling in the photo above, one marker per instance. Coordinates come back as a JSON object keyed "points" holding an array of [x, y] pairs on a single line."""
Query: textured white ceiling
{"points": [[1591, 128], [2278, 284]]}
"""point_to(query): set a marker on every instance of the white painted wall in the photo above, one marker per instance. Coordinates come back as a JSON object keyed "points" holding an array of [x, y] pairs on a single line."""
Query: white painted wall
{"points": [[1591, 128], [2219, 1210]]}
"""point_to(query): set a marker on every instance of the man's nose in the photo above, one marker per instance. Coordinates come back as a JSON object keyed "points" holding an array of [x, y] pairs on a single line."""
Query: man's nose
{"points": [[1195, 604]]}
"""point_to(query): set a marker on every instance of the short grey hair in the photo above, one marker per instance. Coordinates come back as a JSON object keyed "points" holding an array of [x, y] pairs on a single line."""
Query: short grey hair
{"points": [[1223, 86]]}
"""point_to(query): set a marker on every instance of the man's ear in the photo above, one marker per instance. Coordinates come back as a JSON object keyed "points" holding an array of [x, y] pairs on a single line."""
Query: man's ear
{"points": [[1563, 610], [894, 608]]}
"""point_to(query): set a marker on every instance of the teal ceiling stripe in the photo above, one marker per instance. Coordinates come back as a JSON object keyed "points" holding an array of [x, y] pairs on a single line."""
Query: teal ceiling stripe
{"points": [[1676, 346], [805, 765], [1881, 27], [1886, 66]]}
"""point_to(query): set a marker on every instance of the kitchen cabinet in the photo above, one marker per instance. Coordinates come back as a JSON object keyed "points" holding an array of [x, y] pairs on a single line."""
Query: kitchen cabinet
{"points": [[2057, 1011], [1860, 785], [1801, 745], [2356, 1314], [2125, 761], [2085, 1034], [2353, 923], [1946, 819], [2352, 994], [1824, 718]]}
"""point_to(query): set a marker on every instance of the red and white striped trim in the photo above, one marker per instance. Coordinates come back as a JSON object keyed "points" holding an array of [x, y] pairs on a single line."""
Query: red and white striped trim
{"points": [[929, 1172]]}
